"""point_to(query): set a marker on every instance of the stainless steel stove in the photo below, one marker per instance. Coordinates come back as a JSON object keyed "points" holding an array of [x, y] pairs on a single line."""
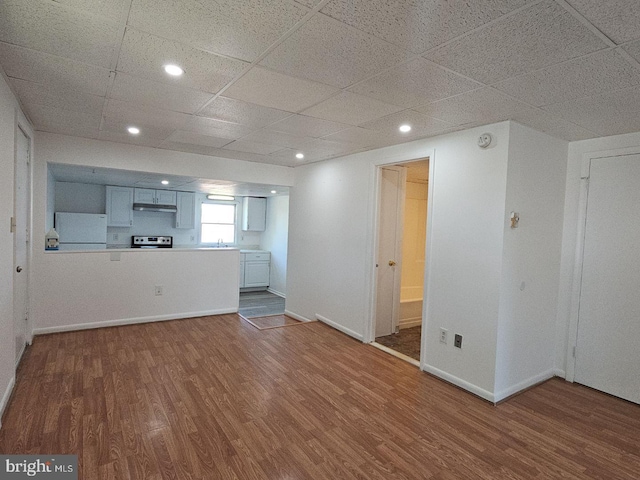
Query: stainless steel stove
{"points": [[138, 241]]}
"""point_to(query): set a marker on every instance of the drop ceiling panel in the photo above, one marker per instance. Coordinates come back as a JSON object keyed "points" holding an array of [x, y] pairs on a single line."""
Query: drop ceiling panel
{"points": [[418, 25], [352, 109], [159, 95], [421, 125], [610, 113], [35, 95], [197, 139], [190, 148], [617, 19], [281, 139], [237, 111], [112, 10], [414, 83], [534, 38], [307, 126], [118, 111], [356, 136], [57, 120], [252, 147], [330, 52], [144, 55], [633, 49], [272, 89], [53, 28], [146, 138], [589, 75], [59, 72], [217, 128], [241, 30]]}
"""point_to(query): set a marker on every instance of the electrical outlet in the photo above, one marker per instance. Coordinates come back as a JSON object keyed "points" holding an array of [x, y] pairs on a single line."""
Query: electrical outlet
{"points": [[158, 290], [443, 335], [457, 341]]}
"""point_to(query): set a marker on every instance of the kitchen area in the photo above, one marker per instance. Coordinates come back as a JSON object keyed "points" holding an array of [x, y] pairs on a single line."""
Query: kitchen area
{"points": [[149, 231]]}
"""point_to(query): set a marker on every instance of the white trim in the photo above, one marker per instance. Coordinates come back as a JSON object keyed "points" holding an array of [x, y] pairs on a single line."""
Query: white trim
{"points": [[529, 382], [6, 397], [396, 354], [337, 326], [300, 318], [131, 321], [458, 382], [427, 283], [558, 372], [410, 322], [275, 292]]}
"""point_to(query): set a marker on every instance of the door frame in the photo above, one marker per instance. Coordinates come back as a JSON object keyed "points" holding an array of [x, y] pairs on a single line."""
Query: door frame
{"points": [[21, 126], [372, 250], [576, 290]]}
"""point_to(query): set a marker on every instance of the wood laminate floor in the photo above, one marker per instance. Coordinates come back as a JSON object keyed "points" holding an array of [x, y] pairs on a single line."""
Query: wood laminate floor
{"points": [[215, 398]]}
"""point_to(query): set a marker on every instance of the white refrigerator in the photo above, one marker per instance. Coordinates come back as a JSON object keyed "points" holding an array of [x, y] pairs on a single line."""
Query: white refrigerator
{"points": [[81, 231]]}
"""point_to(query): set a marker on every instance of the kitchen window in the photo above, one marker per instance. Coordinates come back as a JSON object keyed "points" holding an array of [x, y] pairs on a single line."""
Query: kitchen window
{"points": [[218, 223]]}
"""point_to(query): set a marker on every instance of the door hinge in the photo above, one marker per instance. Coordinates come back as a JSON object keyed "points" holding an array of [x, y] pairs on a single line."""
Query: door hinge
{"points": [[13, 225]]}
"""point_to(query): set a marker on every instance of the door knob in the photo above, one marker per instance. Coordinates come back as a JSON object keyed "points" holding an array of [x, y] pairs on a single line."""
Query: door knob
{"points": [[18, 269], [392, 263]]}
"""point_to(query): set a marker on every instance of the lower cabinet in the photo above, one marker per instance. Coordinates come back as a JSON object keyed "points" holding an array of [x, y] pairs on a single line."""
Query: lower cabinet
{"points": [[255, 269]]}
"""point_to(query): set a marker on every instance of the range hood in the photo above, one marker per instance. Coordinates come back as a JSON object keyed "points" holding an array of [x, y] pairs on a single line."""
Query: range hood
{"points": [[154, 207]]}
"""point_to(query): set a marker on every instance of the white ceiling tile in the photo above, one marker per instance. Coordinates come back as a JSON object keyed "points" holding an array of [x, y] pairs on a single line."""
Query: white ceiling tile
{"points": [[128, 113], [57, 120], [47, 69], [286, 157], [307, 126], [217, 128], [281, 139], [330, 52], [144, 55], [147, 131], [160, 95], [617, 19], [321, 149], [308, 3], [421, 125], [355, 136], [35, 94], [112, 10], [190, 148], [633, 49], [252, 147], [52, 28], [123, 137], [414, 83], [418, 25], [610, 113], [351, 109], [528, 40], [241, 30], [271, 89], [246, 156], [556, 127], [485, 106], [197, 139], [589, 75], [237, 111]]}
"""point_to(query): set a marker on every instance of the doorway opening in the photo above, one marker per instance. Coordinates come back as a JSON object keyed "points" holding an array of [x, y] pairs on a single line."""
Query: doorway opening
{"points": [[401, 259]]}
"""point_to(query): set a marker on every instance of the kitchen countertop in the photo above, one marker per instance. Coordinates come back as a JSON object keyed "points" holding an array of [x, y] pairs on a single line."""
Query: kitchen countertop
{"points": [[129, 249]]}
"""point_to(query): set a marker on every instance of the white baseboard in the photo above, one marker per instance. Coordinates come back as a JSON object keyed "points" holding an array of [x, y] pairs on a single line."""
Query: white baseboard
{"points": [[410, 322], [130, 321], [523, 385], [300, 318], [337, 326], [6, 397], [558, 372], [469, 387], [276, 292]]}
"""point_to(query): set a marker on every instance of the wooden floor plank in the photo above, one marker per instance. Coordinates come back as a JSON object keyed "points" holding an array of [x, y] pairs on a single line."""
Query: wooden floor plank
{"points": [[213, 397]]}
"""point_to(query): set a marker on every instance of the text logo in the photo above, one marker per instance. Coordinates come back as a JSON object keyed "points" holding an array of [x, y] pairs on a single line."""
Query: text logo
{"points": [[45, 467]]}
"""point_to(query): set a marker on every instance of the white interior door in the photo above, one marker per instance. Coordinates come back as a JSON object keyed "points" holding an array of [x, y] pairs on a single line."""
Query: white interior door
{"points": [[20, 242], [608, 344], [389, 238]]}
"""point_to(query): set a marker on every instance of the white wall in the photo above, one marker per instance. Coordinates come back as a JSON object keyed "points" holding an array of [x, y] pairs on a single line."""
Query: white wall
{"points": [[628, 143], [275, 239], [531, 260], [10, 115], [331, 251]]}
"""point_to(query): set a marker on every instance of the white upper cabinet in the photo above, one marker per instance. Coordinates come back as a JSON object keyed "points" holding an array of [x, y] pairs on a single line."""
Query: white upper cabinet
{"points": [[254, 214], [186, 214], [119, 206], [158, 197]]}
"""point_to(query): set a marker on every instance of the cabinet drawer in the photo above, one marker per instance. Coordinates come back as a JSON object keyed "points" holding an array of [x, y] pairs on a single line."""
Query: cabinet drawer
{"points": [[265, 257]]}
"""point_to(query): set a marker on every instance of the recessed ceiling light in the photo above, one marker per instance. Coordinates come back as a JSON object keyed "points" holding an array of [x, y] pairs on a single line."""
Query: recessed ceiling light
{"points": [[405, 128], [133, 130], [299, 156], [273, 191], [165, 182], [174, 70]]}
